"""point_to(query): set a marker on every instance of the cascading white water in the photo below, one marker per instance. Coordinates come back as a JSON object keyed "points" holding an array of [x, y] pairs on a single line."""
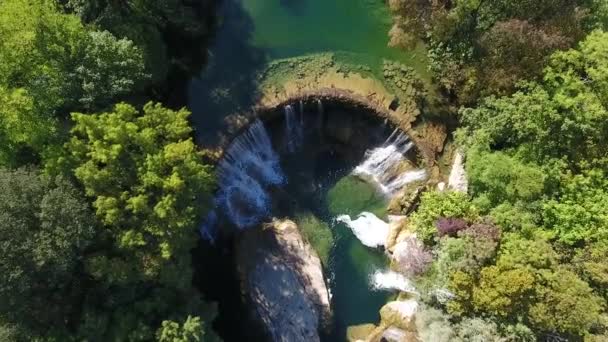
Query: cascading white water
{"points": [[320, 107], [391, 280], [248, 166], [294, 129], [380, 163], [368, 228]]}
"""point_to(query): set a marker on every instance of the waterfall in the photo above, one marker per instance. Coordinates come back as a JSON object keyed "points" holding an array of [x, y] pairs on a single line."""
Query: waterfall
{"points": [[381, 165], [294, 129], [391, 280], [320, 107], [248, 166], [368, 228]]}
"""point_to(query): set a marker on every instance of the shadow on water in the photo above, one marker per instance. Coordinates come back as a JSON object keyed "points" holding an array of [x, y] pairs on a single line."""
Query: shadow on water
{"points": [[228, 84], [294, 6]]}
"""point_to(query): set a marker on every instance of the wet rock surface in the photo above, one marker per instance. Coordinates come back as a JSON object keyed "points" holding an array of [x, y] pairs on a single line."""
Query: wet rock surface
{"points": [[282, 280]]}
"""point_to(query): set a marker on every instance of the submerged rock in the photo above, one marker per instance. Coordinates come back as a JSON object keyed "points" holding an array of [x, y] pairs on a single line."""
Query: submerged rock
{"points": [[281, 277]]}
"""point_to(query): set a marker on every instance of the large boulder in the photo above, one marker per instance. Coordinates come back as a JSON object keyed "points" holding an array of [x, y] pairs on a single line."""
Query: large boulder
{"points": [[359, 332], [282, 279], [400, 314]]}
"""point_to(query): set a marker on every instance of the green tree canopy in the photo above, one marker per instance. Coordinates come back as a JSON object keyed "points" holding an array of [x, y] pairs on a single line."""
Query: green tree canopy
{"points": [[46, 228], [149, 187], [51, 63]]}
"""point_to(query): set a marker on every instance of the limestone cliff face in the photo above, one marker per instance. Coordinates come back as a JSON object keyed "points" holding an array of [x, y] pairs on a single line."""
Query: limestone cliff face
{"points": [[282, 279]]}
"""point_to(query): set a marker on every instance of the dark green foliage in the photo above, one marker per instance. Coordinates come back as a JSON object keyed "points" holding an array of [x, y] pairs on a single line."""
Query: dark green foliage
{"points": [[485, 47], [46, 229], [161, 29]]}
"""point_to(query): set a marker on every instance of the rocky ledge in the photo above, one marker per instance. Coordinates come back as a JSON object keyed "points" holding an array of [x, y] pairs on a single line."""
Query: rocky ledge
{"points": [[282, 281]]}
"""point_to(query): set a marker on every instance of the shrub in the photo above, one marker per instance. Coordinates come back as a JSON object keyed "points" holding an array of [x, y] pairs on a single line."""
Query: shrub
{"points": [[450, 226], [412, 257], [434, 205]]}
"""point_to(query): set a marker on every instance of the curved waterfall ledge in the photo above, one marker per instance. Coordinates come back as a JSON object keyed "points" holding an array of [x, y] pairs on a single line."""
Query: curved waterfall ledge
{"points": [[249, 171], [267, 110]]}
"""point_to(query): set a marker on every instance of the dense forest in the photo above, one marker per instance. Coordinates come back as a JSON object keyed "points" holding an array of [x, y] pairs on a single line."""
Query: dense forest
{"points": [[102, 186], [525, 254], [100, 198]]}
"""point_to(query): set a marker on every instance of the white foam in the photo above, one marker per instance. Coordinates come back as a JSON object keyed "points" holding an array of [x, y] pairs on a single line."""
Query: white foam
{"points": [[380, 163], [368, 228], [248, 166], [391, 280]]}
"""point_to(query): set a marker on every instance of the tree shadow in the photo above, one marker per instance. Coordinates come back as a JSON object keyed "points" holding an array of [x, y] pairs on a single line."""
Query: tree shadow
{"points": [[229, 82], [294, 6]]}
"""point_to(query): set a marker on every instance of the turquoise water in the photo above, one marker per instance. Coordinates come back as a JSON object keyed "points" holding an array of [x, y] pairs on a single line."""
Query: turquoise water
{"points": [[252, 33], [286, 28], [351, 263], [319, 184]]}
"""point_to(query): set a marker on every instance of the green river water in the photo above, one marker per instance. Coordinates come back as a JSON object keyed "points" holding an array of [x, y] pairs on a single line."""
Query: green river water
{"points": [[252, 33]]}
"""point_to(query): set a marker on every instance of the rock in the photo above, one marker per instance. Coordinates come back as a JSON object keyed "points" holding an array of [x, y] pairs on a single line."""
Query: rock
{"points": [[458, 176], [339, 126], [441, 186], [395, 224], [281, 277], [393, 334], [401, 314], [359, 332]]}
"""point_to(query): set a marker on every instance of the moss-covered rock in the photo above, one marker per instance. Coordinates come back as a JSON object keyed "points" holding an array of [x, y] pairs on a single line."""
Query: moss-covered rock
{"points": [[317, 233]]}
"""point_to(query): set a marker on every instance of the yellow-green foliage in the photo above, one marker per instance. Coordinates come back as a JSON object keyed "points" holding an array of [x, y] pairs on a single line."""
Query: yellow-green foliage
{"points": [[148, 185]]}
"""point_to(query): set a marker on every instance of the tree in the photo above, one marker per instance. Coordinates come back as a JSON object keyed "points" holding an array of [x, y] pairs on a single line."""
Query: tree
{"points": [[528, 284], [147, 182], [24, 132], [495, 178], [412, 257], [570, 103], [149, 187], [109, 68], [46, 228], [148, 24], [578, 213], [49, 64], [191, 331], [494, 43], [474, 247]]}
